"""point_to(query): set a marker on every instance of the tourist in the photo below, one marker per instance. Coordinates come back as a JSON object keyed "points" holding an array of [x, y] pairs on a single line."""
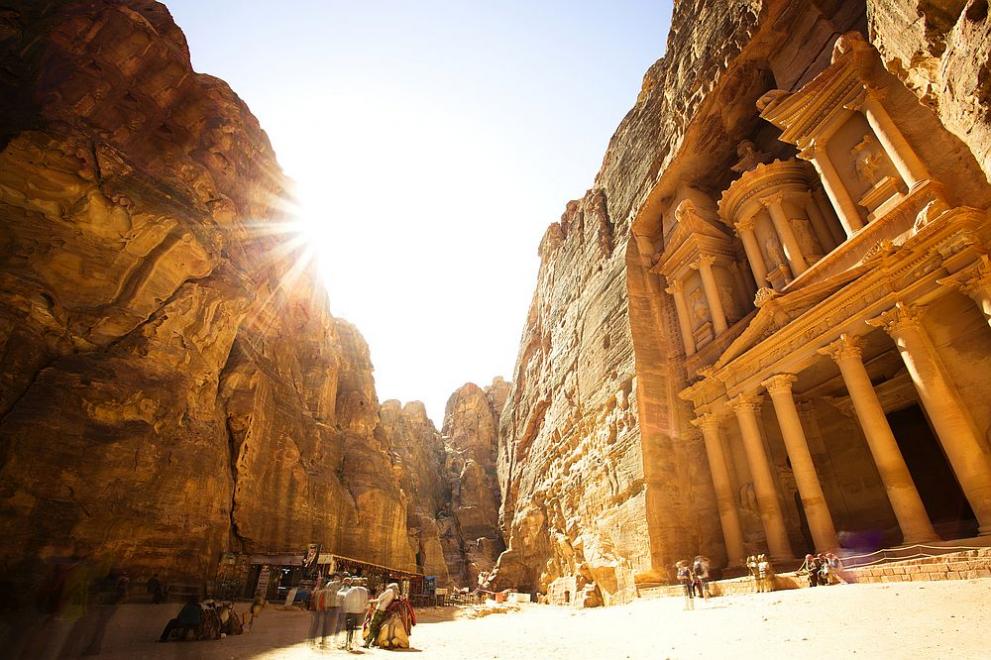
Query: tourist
{"points": [[811, 566], [190, 617], [835, 568], [700, 568], [765, 574], [687, 579], [752, 569], [823, 570], [155, 588], [381, 605], [354, 602], [331, 612], [316, 607]]}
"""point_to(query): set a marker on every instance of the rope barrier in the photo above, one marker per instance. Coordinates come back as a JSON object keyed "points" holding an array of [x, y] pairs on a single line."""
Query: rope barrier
{"points": [[850, 561], [949, 548]]}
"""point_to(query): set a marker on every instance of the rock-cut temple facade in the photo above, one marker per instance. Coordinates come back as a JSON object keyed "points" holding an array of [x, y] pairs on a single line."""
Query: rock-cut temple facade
{"points": [[796, 358]]}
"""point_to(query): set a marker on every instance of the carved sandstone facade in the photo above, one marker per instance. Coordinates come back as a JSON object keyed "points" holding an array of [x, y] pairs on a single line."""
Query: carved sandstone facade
{"points": [[808, 301]]}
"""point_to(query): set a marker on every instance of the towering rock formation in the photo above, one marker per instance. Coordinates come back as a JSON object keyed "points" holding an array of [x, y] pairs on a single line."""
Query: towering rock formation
{"points": [[449, 481], [173, 384], [605, 480], [420, 454], [471, 436]]}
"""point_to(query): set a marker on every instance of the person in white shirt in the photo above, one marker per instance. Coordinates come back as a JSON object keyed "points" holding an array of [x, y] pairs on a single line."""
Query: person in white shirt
{"points": [[331, 612], [353, 601], [316, 611], [381, 605]]}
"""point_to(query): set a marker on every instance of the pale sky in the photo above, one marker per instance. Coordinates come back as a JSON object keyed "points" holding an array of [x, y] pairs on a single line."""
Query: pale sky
{"points": [[432, 143]]}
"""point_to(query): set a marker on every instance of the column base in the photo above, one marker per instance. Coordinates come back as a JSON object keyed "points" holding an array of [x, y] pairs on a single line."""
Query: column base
{"points": [[924, 539], [984, 530]]}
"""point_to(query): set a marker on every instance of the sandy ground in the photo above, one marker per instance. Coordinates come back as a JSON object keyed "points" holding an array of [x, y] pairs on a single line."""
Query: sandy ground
{"points": [[902, 620]]}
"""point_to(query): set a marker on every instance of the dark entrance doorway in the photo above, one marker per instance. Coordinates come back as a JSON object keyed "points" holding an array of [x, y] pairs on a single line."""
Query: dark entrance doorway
{"points": [[937, 485]]}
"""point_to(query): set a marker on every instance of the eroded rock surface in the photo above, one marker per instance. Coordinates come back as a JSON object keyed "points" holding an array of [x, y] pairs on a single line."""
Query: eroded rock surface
{"points": [[173, 384], [471, 437], [449, 481]]}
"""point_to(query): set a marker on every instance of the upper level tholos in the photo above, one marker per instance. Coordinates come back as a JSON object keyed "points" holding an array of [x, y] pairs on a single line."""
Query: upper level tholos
{"points": [[826, 174]]}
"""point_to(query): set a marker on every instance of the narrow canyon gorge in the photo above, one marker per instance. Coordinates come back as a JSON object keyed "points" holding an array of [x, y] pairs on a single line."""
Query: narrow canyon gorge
{"points": [[764, 328]]}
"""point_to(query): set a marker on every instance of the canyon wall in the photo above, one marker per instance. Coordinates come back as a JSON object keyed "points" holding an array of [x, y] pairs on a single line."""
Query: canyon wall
{"points": [[941, 50], [173, 384], [449, 481], [471, 428]]}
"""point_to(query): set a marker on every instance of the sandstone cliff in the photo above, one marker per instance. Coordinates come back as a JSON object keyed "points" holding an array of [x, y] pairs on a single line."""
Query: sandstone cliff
{"points": [[420, 454], [942, 51], [449, 481], [173, 384], [471, 436], [604, 480]]}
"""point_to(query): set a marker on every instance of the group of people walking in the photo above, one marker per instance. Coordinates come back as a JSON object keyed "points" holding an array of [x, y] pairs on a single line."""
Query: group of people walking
{"points": [[822, 569], [346, 604], [694, 578]]}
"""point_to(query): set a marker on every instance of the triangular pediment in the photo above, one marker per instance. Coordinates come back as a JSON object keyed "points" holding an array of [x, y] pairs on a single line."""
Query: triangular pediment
{"points": [[776, 311], [691, 222], [801, 114]]}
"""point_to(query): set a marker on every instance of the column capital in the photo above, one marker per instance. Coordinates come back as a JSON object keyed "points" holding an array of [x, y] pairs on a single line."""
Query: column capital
{"points": [[706, 421], [675, 286], [899, 318], [808, 151], [746, 224], [751, 401], [867, 98], [844, 348], [771, 200], [779, 384], [973, 281], [706, 260]]}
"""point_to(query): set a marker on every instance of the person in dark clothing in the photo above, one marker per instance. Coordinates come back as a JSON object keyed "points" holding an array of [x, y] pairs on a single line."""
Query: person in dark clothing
{"points": [[812, 566], [156, 589], [190, 618], [687, 579]]}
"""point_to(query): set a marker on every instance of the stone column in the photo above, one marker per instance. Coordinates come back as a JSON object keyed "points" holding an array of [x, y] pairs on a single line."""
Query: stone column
{"points": [[838, 195], [677, 289], [957, 432], [712, 293], [911, 169], [813, 499], [783, 226], [974, 282], [746, 407], [819, 226], [729, 518], [905, 501], [745, 230]]}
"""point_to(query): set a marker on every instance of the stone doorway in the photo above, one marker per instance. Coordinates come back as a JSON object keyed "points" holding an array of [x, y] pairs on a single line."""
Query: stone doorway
{"points": [[941, 494]]}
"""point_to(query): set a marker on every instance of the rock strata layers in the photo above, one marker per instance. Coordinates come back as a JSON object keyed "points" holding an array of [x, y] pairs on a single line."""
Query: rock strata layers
{"points": [[173, 383], [449, 481], [471, 439]]}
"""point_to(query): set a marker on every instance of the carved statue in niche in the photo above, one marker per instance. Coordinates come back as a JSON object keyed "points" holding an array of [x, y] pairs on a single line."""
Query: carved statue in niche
{"points": [[728, 298], [750, 157], [806, 239], [870, 161], [775, 255], [700, 310]]}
